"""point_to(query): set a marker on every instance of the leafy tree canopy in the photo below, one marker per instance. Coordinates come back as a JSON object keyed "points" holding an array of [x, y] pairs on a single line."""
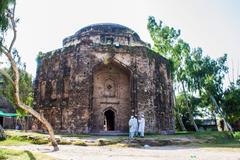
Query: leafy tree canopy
{"points": [[232, 101]]}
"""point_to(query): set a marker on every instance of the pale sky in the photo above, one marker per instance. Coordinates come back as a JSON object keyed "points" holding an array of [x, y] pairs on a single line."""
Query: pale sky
{"points": [[213, 25]]}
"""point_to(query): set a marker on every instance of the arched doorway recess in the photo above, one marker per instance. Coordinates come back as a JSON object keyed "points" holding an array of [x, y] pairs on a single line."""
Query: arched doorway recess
{"points": [[109, 120], [111, 97]]}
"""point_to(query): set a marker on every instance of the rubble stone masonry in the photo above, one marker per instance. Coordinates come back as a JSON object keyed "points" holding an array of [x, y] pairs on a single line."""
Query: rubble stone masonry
{"points": [[104, 74]]}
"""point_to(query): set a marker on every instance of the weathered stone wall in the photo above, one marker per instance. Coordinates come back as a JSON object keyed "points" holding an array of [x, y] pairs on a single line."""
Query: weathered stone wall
{"points": [[67, 87], [76, 86]]}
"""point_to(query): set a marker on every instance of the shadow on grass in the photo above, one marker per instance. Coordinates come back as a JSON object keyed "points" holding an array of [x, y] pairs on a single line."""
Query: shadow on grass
{"points": [[30, 155]]}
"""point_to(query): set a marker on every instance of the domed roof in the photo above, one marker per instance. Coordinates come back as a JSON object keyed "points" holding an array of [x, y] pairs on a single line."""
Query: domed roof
{"points": [[107, 28], [102, 30]]}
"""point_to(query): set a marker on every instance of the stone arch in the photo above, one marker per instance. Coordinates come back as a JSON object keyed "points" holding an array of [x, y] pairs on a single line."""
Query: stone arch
{"points": [[114, 62], [112, 87]]}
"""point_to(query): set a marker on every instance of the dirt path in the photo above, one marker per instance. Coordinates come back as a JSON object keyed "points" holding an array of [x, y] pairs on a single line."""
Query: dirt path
{"points": [[71, 152]]}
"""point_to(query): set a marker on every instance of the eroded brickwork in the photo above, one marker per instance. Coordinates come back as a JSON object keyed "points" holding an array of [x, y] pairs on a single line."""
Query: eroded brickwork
{"points": [[104, 74]]}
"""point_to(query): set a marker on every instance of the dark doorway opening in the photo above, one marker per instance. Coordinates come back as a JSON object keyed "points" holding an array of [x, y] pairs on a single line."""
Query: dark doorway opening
{"points": [[1, 121], [109, 120]]}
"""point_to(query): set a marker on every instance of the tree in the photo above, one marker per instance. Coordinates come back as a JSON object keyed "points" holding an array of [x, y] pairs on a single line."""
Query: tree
{"points": [[206, 79], [25, 83], [178, 110], [197, 75], [8, 21], [168, 44], [25, 93], [231, 104]]}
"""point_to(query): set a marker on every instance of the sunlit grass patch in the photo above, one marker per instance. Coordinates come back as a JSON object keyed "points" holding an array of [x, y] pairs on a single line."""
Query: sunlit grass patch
{"points": [[13, 142], [79, 143], [10, 154], [200, 139]]}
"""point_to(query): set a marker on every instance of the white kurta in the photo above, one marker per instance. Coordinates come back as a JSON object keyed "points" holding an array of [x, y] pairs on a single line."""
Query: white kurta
{"points": [[131, 125], [141, 125], [135, 124]]}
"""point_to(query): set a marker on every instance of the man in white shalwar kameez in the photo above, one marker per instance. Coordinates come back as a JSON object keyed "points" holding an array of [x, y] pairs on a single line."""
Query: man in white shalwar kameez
{"points": [[141, 127], [135, 123], [131, 127]]}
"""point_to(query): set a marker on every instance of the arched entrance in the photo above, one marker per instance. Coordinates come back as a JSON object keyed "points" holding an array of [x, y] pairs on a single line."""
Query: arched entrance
{"points": [[111, 102], [109, 120]]}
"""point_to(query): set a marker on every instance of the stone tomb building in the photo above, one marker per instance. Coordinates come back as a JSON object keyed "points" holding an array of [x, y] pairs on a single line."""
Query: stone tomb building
{"points": [[104, 74]]}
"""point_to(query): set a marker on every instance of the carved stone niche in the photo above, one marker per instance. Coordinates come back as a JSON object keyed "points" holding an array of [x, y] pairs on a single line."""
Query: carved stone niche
{"points": [[109, 88], [44, 66], [68, 61], [66, 87], [54, 89], [56, 63], [43, 89]]}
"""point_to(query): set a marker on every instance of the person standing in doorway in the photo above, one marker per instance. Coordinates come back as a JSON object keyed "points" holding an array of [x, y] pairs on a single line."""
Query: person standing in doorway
{"points": [[141, 125]]}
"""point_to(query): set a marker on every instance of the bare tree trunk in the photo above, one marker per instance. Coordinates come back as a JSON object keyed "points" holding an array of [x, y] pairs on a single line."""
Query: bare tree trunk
{"points": [[217, 107], [178, 116], [8, 53], [29, 109], [189, 110], [45, 123]]}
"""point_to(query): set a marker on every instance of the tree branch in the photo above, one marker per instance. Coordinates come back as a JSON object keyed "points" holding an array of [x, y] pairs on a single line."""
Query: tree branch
{"points": [[7, 51], [13, 27]]}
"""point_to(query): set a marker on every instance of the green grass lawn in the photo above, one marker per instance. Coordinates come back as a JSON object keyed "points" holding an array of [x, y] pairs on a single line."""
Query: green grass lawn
{"points": [[200, 139], [205, 139], [208, 139], [10, 154], [13, 142]]}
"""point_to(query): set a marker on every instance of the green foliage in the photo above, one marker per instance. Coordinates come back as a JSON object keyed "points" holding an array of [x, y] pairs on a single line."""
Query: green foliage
{"points": [[13, 142], [197, 74], [4, 21], [195, 101], [39, 141], [7, 88], [168, 44], [205, 75], [39, 57], [5, 8], [164, 37], [25, 85], [232, 102], [24, 139], [236, 135]]}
